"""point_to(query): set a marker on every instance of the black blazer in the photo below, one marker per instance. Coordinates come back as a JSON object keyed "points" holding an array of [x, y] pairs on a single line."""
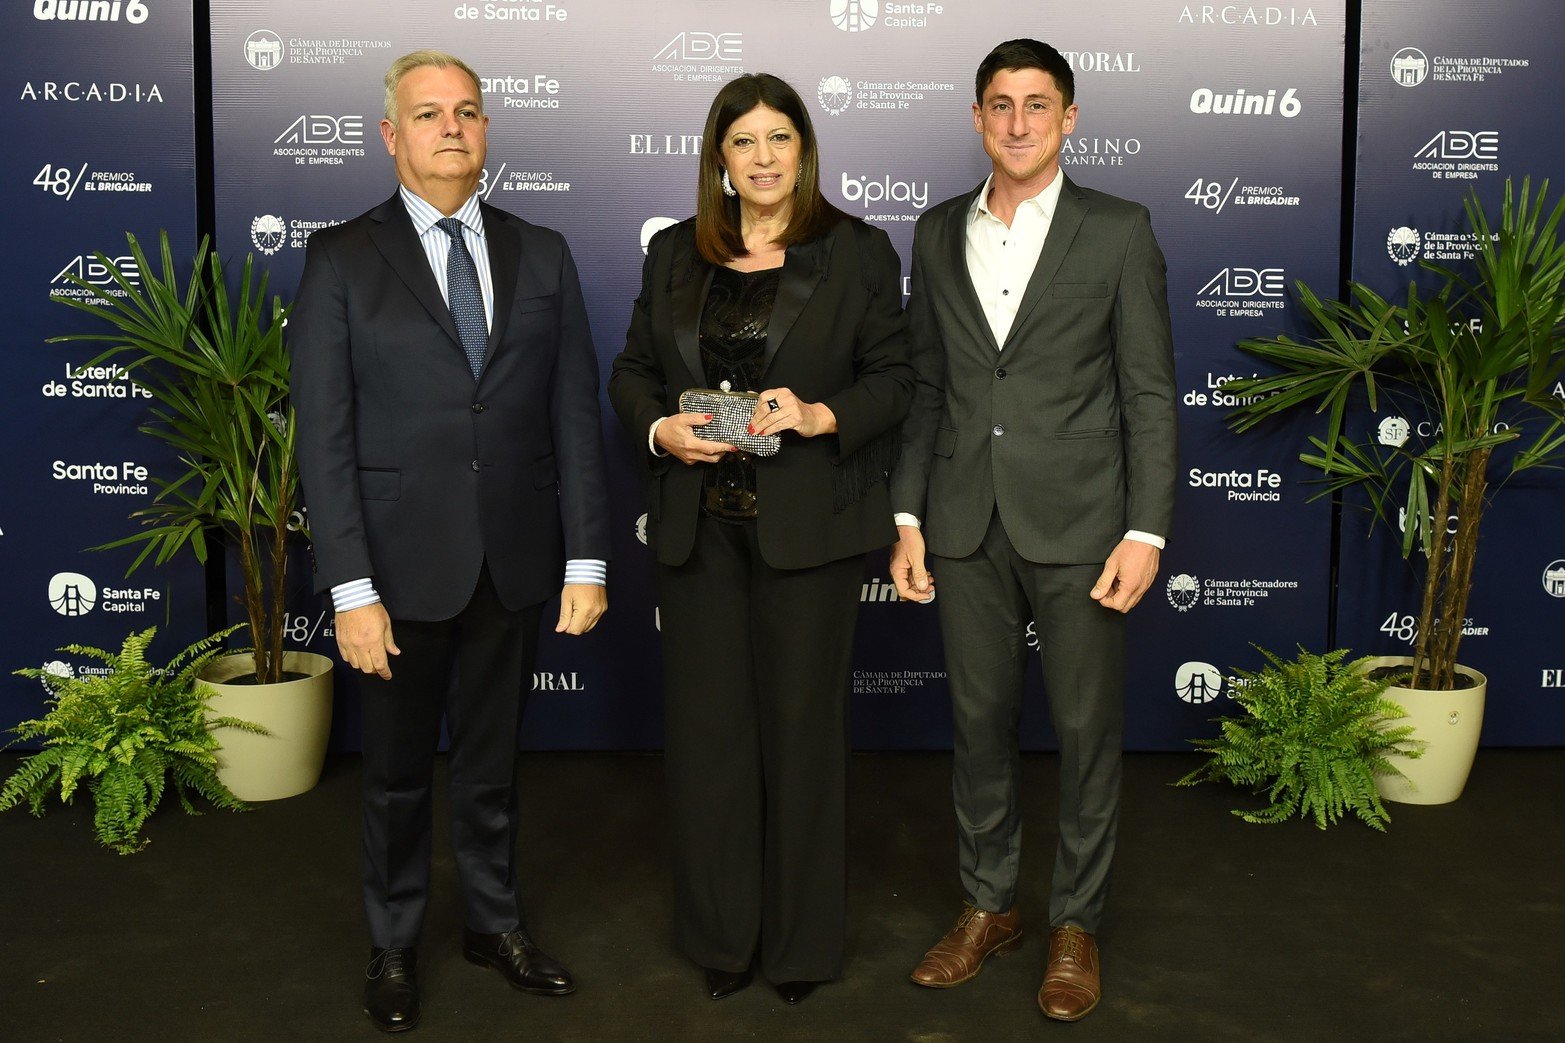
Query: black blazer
{"points": [[415, 474], [837, 335], [1069, 426]]}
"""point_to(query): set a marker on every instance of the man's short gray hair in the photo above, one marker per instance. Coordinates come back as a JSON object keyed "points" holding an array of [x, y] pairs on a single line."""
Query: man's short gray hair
{"points": [[418, 60]]}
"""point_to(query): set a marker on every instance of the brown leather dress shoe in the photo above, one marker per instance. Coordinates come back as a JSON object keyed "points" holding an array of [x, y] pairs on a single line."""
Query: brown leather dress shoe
{"points": [[1070, 986], [957, 957]]}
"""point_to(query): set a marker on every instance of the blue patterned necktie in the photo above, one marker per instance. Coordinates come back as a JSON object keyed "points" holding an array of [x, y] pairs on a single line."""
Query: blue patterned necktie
{"points": [[464, 297]]}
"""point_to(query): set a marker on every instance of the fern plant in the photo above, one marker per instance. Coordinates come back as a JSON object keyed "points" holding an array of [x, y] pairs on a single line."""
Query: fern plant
{"points": [[126, 733], [1313, 736]]}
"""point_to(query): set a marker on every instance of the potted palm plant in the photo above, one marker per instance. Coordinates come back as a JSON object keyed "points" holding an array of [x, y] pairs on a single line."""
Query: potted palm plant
{"points": [[213, 362], [1478, 357]]}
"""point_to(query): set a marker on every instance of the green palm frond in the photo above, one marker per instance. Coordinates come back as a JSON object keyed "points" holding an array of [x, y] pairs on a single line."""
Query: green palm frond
{"points": [[1481, 357], [212, 360]]}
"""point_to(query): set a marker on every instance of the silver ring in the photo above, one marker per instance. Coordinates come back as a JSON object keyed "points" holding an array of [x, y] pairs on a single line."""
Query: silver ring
{"points": [[771, 404]]}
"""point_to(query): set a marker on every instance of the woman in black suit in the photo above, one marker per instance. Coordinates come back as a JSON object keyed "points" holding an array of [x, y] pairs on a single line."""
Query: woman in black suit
{"points": [[769, 289]]}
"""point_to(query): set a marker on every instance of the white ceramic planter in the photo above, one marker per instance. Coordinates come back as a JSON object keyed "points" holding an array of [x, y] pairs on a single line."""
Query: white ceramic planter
{"points": [[1449, 723], [297, 714]]}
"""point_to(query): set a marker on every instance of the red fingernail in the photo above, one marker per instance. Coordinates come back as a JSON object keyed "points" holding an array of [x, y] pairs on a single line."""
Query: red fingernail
{"points": [[750, 428]]}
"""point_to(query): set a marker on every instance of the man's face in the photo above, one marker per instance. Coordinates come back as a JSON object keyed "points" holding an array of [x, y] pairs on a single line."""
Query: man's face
{"points": [[440, 135], [1023, 120]]}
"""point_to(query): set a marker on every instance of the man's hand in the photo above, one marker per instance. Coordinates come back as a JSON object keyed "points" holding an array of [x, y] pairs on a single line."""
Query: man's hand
{"points": [[364, 639], [581, 606], [675, 436], [912, 580], [1127, 575]]}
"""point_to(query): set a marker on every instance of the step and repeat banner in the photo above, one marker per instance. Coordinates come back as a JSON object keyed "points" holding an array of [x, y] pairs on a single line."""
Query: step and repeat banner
{"points": [[1226, 120], [101, 105], [1450, 101]]}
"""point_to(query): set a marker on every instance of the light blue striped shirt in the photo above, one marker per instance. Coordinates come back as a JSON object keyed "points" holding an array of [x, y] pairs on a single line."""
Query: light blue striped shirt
{"points": [[437, 247], [437, 244]]}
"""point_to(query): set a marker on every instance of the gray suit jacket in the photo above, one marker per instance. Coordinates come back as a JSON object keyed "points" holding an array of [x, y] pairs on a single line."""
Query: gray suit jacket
{"points": [[1068, 427]]}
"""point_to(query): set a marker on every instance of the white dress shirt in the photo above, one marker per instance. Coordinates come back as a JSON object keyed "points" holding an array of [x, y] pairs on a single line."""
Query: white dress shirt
{"points": [[437, 247], [1000, 262]]}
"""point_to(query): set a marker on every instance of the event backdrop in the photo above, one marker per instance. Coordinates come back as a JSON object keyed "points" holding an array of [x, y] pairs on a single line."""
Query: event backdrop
{"points": [[1226, 120], [102, 142], [1228, 128], [1450, 101]]}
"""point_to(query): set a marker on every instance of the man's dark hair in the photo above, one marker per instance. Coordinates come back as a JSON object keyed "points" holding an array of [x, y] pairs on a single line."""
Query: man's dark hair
{"points": [[1028, 54]]}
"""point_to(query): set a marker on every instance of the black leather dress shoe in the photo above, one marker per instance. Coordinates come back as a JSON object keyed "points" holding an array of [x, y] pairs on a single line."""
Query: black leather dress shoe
{"points": [[725, 983], [391, 989], [519, 962], [794, 991]]}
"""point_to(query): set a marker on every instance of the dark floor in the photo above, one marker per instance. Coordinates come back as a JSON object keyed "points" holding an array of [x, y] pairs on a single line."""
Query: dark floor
{"points": [[240, 927]]}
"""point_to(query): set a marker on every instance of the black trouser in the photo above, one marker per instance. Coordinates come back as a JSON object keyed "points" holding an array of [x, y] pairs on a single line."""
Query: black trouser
{"points": [[757, 666], [492, 649]]}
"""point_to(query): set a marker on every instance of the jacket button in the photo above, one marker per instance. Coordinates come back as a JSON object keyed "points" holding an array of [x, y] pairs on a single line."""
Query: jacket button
{"points": [[1000, 374], [475, 465], [478, 407], [999, 429]]}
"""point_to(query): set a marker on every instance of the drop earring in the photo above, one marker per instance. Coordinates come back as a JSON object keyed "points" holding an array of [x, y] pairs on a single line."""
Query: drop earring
{"points": [[728, 186]]}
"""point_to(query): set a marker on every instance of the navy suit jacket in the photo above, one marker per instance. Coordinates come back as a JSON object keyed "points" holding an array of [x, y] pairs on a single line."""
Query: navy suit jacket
{"points": [[416, 474]]}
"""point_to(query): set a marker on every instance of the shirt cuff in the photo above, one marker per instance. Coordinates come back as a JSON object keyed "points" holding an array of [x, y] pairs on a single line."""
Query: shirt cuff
{"points": [[354, 594], [1146, 537], [906, 519], [588, 571], [651, 439]]}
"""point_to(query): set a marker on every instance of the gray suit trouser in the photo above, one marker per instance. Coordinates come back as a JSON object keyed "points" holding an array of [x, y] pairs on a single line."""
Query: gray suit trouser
{"points": [[986, 601]]}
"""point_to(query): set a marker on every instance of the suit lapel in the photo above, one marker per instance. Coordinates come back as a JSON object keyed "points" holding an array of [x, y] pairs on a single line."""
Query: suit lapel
{"points": [[691, 281], [505, 253], [801, 273], [1069, 211], [956, 257], [394, 237]]}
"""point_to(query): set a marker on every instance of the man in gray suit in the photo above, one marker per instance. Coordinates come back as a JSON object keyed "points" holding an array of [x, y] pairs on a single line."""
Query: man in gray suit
{"points": [[1038, 472]]}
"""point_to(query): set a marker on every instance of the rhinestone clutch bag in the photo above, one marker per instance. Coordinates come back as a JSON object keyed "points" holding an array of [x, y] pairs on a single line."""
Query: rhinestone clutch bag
{"points": [[731, 412]]}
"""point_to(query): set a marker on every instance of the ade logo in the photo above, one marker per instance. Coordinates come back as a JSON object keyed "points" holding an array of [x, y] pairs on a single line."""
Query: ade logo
{"points": [[1461, 144], [1241, 282], [323, 130], [703, 47]]}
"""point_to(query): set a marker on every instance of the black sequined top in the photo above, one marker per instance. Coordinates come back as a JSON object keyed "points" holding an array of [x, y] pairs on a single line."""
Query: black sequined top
{"points": [[733, 353]]}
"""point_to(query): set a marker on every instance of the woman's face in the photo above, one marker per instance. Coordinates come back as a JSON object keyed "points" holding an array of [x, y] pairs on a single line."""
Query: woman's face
{"points": [[761, 151]]}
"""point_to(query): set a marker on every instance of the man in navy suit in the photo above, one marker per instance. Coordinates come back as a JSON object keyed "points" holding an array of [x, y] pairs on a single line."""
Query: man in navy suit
{"points": [[451, 455]]}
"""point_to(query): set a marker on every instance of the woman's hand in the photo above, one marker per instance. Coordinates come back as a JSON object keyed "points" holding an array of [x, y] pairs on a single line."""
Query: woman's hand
{"points": [[675, 436], [780, 410]]}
